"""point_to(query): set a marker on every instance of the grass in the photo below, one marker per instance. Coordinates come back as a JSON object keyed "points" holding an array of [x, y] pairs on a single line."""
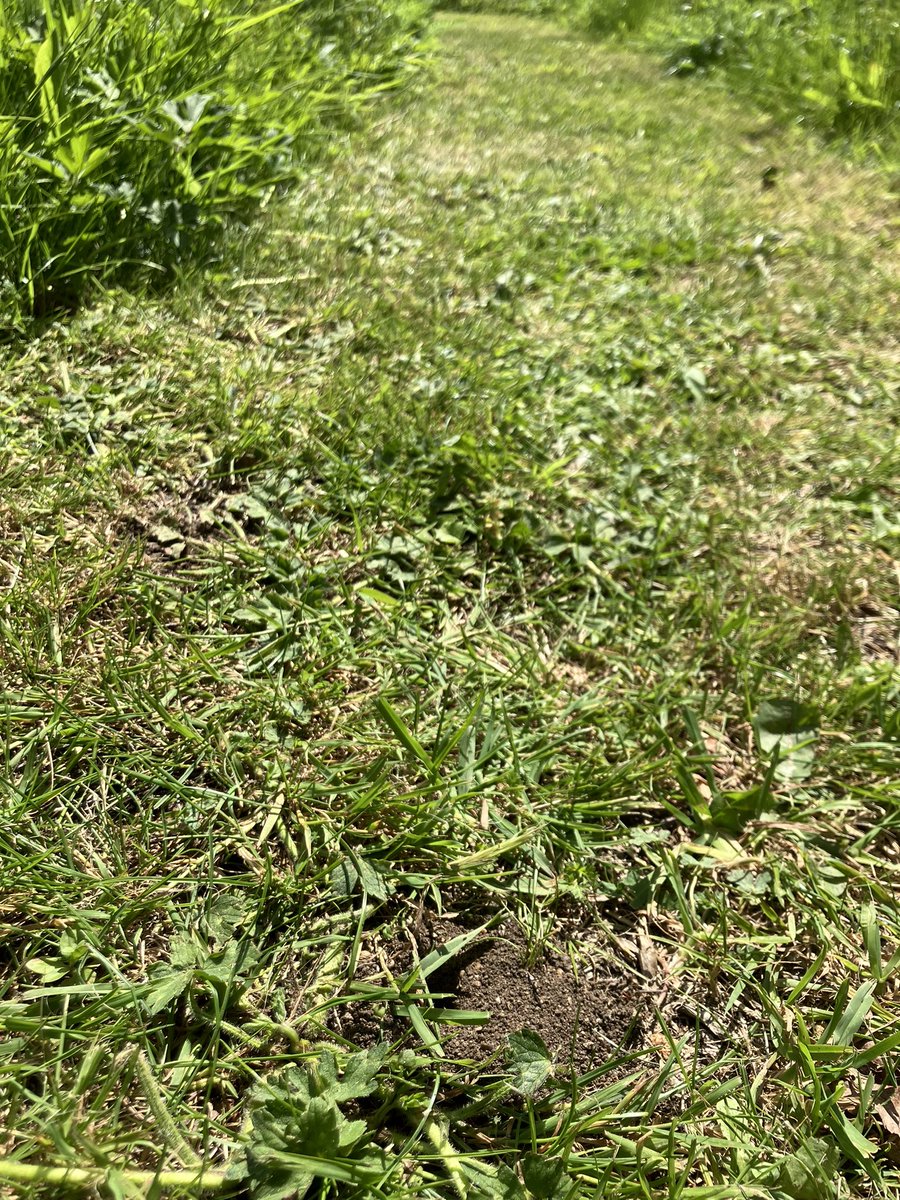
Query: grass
{"points": [[830, 65], [135, 134], [510, 535]]}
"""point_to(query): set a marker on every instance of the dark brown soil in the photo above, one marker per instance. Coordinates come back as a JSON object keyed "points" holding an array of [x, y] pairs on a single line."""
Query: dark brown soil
{"points": [[585, 1018]]}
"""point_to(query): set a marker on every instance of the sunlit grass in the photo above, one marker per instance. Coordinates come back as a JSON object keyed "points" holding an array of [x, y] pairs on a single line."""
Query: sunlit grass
{"points": [[460, 552], [830, 65], [134, 134]]}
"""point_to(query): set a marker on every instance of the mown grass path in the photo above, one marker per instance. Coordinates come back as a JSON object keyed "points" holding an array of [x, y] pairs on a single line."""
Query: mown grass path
{"points": [[461, 556]]}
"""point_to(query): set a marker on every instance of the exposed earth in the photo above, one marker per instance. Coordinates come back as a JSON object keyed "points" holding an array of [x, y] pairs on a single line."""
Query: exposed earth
{"points": [[584, 1017], [594, 1012]]}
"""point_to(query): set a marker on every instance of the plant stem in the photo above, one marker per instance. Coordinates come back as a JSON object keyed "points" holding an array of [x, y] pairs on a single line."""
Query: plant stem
{"points": [[157, 1104], [91, 1177], [437, 1135]]}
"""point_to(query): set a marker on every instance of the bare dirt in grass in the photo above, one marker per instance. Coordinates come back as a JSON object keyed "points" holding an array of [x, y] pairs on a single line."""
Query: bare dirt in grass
{"points": [[584, 1018], [585, 1013]]}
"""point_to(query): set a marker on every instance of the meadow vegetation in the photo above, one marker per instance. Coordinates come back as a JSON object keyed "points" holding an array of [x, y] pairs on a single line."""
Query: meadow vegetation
{"points": [[133, 132], [490, 561], [832, 64]]}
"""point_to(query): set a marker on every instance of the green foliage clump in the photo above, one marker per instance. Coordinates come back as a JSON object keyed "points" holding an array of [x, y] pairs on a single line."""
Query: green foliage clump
{"points": [[133, 131], [834, 63], [521, 8], [299, 1130], [601, 18]]}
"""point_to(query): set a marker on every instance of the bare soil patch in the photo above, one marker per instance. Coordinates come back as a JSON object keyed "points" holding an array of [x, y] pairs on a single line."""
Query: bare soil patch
{"points": [[586, 1011], [584, 1016]]}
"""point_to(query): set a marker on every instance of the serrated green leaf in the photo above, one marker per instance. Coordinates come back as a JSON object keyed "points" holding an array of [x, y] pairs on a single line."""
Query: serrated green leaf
{"points": [[544, 1177], [529, 1062], [319, 1128], [232, 966], [183, 951], [809, 1173], [350, 1132], [360, 1074], [225, 916], [167, 986], [298, 1131]]}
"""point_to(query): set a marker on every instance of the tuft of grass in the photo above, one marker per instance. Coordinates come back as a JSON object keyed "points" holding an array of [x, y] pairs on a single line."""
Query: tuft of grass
{"points": [[134, 133]]}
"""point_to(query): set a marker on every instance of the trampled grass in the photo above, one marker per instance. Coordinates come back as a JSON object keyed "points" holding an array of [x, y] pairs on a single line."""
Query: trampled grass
{"points": [[509, 539]]}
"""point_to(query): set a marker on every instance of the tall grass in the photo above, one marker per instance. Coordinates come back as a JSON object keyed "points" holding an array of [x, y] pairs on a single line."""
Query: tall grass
{"points": [[519, 8], [133, 131], [835, 64], [601, 18]]}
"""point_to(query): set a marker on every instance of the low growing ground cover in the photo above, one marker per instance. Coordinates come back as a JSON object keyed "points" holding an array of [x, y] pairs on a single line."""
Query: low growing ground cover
{"points": [[450, 671]]}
